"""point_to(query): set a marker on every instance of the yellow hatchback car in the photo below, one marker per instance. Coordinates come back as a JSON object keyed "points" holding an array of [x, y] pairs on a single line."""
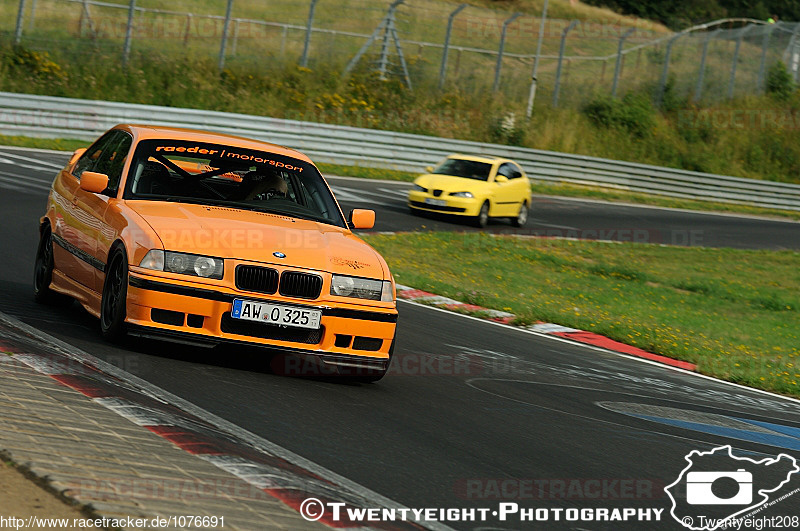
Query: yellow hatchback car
{"points": [[477, 187]]}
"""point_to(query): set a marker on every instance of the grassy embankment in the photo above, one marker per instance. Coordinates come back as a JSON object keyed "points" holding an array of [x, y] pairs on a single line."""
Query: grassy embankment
{"points": [[734, 313], [764, 143]]}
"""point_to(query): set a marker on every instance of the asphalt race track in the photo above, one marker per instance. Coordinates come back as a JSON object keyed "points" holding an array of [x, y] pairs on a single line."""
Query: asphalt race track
{"points": [[550, 216], [473, 413]]}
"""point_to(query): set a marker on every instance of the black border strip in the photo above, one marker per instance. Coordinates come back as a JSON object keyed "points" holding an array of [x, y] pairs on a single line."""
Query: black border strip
{"points": [[79, 253], [208, 294]]}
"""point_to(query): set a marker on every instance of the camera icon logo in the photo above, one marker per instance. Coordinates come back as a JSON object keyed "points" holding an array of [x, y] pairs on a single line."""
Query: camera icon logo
{"points": [[699, 488]]}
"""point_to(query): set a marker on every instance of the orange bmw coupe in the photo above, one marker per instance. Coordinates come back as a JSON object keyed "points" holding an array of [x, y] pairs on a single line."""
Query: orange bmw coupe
{"points": [[206, 238]]}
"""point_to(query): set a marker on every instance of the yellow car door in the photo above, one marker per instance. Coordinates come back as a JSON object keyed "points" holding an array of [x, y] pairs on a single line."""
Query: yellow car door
{"points": [[506, 197]]}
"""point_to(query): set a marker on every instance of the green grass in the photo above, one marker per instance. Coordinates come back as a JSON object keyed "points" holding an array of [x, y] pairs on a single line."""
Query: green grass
{"points": [[735, 313], [366, 173], [58, 144]]}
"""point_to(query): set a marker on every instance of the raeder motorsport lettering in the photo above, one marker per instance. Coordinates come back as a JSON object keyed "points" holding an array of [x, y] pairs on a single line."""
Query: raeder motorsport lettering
{"points": [[228, 154]]}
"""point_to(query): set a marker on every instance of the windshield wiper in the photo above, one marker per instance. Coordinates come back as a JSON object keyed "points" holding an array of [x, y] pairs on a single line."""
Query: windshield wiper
{"points": [[190, 200]]}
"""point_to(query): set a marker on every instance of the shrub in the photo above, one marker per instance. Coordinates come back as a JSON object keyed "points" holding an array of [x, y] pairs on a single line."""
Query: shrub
{"points": [[634, 114], [506, 130], [779, 81]]}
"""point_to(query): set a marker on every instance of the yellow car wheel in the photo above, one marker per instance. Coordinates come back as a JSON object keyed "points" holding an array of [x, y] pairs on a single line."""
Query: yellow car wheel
{"points": [[482, 219], [522, 216]]}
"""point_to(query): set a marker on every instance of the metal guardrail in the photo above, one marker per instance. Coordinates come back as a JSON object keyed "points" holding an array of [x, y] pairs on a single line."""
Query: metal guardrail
{"points": [[54, 117]]}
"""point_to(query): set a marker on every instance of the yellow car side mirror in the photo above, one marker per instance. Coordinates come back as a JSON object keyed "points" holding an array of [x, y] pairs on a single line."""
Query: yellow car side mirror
{"points": [[501, 179], [429, 169]]}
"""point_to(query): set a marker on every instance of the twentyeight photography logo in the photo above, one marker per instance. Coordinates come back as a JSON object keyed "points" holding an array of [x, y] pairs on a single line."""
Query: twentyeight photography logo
{"points": [[720, 490]]}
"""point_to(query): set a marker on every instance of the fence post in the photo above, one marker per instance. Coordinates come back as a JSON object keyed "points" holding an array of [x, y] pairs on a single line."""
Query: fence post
{"points": [[33, 15], [309, 29], [446, 49], [795, 53], [532, 91], [86, 14], [499, 65], [236, 22], [762, 67], [561, 47], [188, 28], [225, 28], [385, 26], [662, 84], [732, 80], [126, 49], [20, 19], [698, 89], [397, 47], [618, 65], [383, 62]]}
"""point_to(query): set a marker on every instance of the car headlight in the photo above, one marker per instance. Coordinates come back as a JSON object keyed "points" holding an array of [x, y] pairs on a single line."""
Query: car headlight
{"points": [[184, 264], [462, 194], [361, 288], [419, 188]]}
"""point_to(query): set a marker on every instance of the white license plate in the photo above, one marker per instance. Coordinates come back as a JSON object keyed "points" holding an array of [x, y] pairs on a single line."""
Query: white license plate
{"points": [[435, 202], [276, 314]]}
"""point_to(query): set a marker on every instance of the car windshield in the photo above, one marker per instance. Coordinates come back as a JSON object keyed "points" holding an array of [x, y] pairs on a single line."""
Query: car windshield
{"points": [[469, 169], [212, 174]]}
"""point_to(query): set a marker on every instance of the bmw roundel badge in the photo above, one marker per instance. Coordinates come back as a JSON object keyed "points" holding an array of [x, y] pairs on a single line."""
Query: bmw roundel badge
{"points": [[278, 254]]}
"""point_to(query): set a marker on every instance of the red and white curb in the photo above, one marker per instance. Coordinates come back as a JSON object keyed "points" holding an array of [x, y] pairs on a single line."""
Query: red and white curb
{"points": [[268, 468], [573, 334]]}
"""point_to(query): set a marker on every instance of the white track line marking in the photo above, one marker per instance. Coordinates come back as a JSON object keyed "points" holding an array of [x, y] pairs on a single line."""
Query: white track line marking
{"points": [[14, 183], [37, 161], [27, 178]]}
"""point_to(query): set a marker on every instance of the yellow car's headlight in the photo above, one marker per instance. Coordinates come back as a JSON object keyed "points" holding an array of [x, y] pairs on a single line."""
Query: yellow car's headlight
{"points": [[419, 188], [184, 264], [462, 194]]}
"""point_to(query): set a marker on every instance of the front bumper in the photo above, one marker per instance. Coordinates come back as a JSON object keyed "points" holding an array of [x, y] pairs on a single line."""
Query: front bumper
{"points": [[459, 206], [181, 311]]}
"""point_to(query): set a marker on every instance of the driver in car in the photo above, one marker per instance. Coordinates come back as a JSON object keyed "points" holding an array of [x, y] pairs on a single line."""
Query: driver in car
{"points": [[264, 186]]}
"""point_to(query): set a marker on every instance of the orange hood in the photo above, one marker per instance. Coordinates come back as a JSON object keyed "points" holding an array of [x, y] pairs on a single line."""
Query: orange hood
{"points": [[254, 236]]}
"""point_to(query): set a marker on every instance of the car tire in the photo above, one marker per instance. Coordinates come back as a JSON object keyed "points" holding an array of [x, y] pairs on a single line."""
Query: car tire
{"points": [[482, 219], [522, 216], [114, 299], [43, 272]]}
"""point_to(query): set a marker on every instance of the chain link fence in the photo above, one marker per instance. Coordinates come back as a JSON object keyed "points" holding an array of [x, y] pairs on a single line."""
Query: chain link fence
{"points": [[427, 44]]}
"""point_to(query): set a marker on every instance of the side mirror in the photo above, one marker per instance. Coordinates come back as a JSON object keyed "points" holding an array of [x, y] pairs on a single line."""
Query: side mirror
{"points": [[361, 219], [94, 182], [76, 155], [501, 179], [429, 169]]}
